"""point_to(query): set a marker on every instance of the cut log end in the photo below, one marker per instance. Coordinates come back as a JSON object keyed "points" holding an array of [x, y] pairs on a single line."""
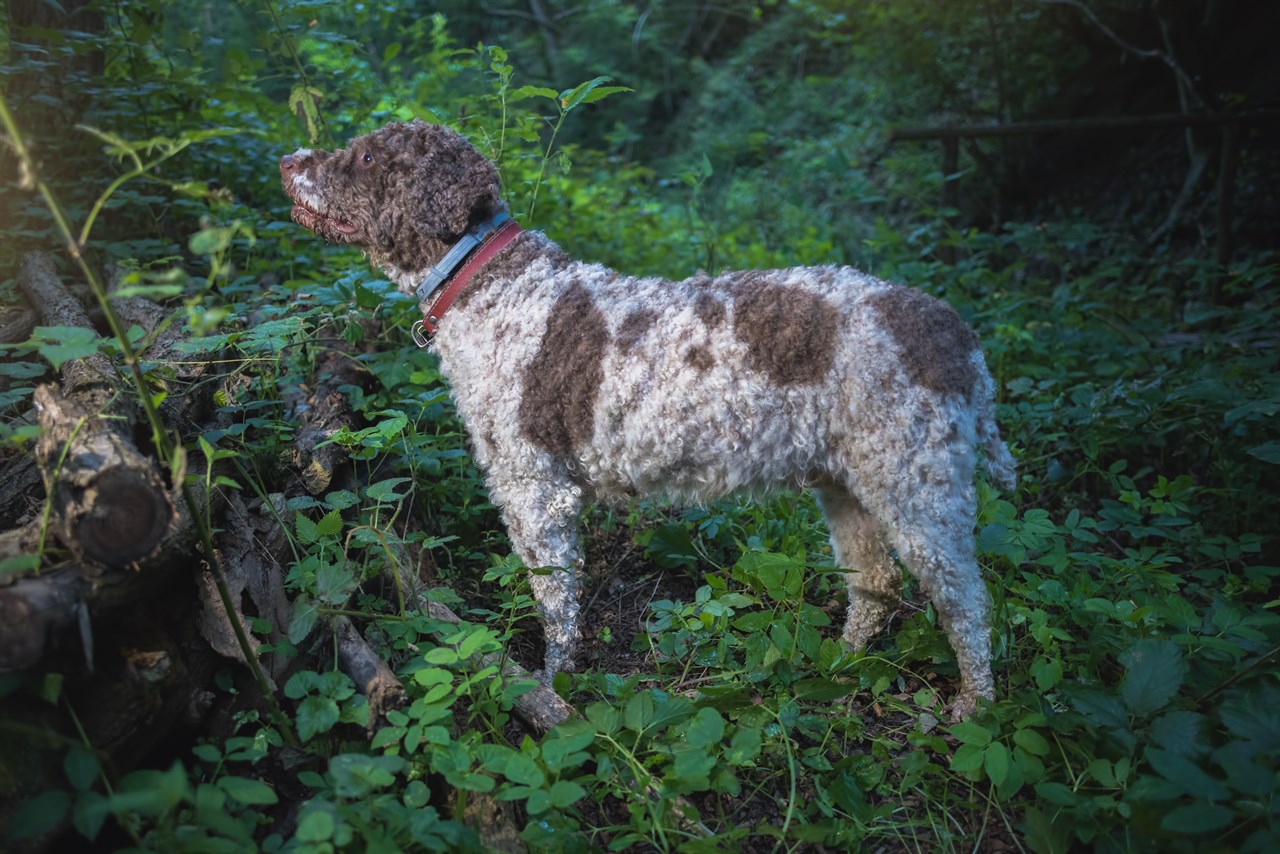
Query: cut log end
{"points": [[127, 512]]}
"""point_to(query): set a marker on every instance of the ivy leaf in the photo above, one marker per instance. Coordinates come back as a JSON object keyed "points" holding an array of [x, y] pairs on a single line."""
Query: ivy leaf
{"points": [[1153, 674]]}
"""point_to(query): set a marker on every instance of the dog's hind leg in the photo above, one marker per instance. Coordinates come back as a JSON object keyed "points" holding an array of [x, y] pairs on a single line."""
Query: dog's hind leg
{"points": [[542, 522], [873, 579], [937, 548]]}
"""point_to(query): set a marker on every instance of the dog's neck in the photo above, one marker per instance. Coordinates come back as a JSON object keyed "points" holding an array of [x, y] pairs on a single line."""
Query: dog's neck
{"points": [[458, 254]]}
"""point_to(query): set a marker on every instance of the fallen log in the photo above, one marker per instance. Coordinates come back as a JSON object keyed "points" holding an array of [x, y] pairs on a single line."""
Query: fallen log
{"points": [[108, 502], [186, 400], [40, 612], [320, 412], [373, 676]]}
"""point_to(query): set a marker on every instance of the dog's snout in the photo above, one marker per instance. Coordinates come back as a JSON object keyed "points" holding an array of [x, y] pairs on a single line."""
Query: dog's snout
{"points": [[287, 164]]}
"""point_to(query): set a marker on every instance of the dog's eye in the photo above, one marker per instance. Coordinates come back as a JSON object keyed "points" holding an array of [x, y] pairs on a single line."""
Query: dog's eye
{"points": [[367, 159]]}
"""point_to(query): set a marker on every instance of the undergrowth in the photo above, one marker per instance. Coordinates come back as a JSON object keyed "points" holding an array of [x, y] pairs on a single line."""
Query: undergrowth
{"points": [[1132, 574]]}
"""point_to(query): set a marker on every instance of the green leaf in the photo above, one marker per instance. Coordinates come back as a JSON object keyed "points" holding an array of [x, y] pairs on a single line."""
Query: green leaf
{"points": [[525, 92], [317, 826], [306, 528], [968, 757], [341, 499], [210, 241], [40, 815], [384, 491], [971, 733], [602, 92], [81, 768], [567, 748], [442, 655], [305, 613], [996, 762], [61, 344], [1268, 452], [1153, 674], [1189, 777], [386, 736], [565, 793], [316, 715], [1197, 818], [334, 583], [821, 690], [330, 524], [1047, 672], [744, 747], [89, 813], [706, 728], [538, 802], [571, 98], [19, 564], [604, 716], [1032, 742], [248, 792], [638, 712], [521, 769], [1178, 732]]}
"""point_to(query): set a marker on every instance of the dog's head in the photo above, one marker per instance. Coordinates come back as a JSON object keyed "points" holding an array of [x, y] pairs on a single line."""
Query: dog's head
{"points": [[404, 193]]}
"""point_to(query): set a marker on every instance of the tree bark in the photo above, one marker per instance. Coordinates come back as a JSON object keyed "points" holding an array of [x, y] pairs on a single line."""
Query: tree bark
{"points": [[373, 676], [109, 503]]}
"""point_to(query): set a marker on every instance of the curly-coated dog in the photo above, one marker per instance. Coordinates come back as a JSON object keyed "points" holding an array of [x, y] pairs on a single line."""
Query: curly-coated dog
{"points": [[576, 382]]}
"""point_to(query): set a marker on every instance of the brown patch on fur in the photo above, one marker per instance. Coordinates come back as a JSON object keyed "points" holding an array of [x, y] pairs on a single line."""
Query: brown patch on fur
{"points": [[790, 333], [709, 310], [633, 328], [935, 342], [557, 404], [700, 357]]}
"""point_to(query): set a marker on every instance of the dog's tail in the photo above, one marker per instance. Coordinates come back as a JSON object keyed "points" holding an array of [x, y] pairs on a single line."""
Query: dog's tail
{"points": [[999, 463]]}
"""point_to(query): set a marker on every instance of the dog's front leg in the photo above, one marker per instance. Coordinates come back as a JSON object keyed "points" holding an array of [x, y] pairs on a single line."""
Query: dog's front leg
{"points": [[543, 525]]}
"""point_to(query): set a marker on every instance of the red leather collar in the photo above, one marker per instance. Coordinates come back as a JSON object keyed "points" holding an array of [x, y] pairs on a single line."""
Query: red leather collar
{"points": [[496, 242]]}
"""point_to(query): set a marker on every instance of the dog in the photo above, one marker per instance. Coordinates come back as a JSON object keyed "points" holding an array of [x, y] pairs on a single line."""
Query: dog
{"points": [[576, 382]]}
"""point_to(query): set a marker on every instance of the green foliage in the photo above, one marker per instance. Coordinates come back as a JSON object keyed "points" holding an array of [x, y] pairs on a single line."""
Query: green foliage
{"points": [[1132, 576]]}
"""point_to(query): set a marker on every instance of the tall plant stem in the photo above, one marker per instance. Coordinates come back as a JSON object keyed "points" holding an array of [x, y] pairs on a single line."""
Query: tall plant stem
{"points": [[160, 437]]}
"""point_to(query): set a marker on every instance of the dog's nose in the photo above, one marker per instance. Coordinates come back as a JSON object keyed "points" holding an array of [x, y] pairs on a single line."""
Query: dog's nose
{"points": [[286, 164]]}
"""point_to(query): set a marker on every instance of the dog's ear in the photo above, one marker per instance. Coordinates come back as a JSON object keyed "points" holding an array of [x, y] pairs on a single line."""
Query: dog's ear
{"points": [[456, 186]]}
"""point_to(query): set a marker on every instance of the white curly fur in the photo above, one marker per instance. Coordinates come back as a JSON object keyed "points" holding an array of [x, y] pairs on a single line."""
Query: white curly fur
{"points": [[684, 409]]}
